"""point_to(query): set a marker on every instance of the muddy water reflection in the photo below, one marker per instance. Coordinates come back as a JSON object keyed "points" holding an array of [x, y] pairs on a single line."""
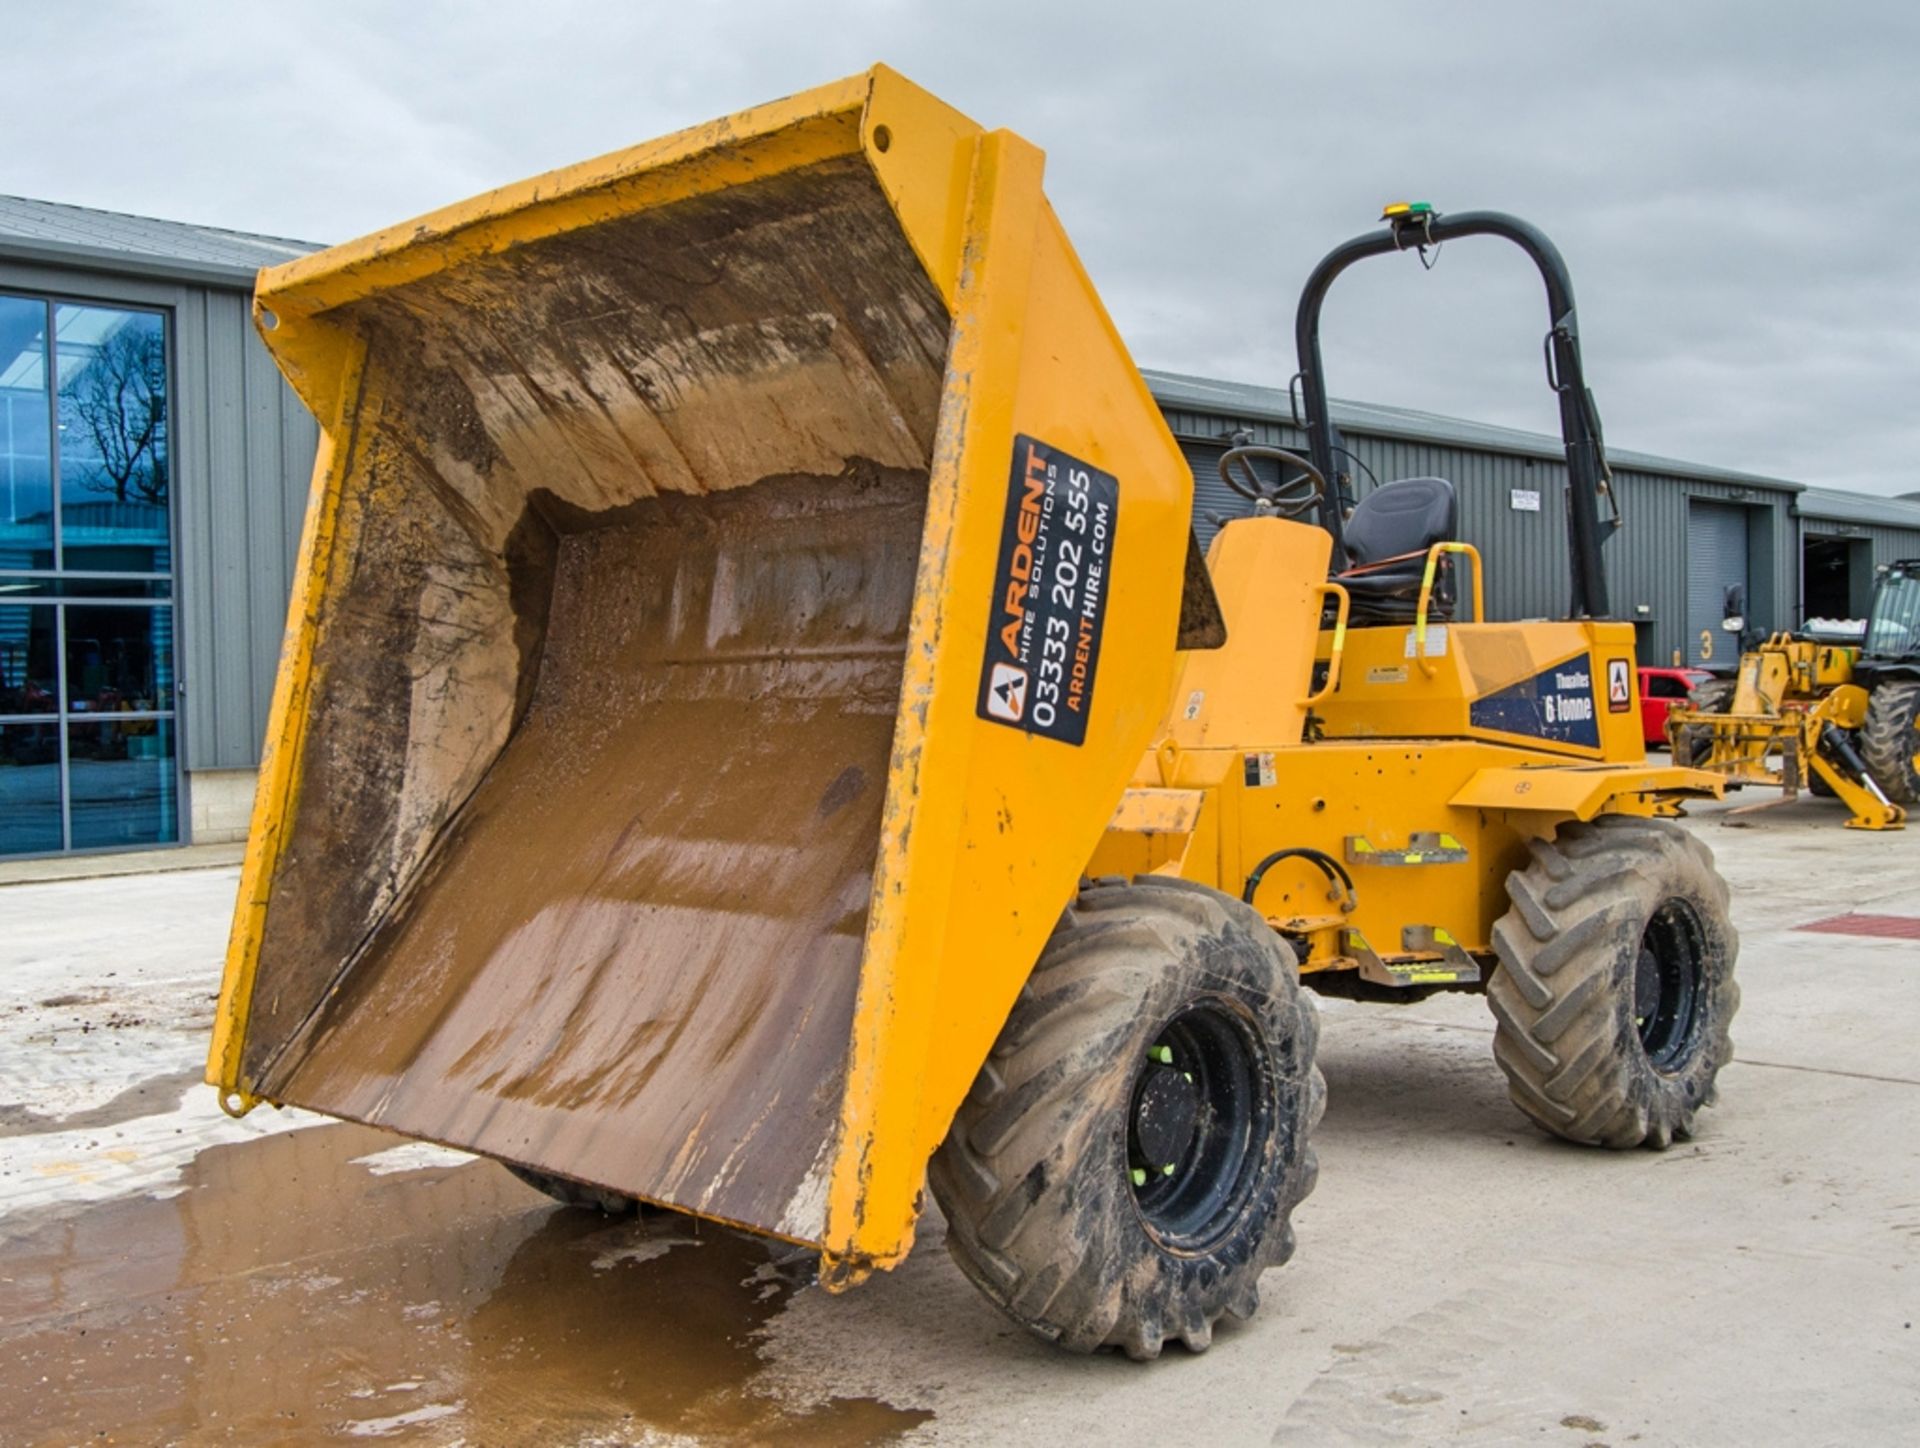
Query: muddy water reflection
{"points": [[292, 1295]]}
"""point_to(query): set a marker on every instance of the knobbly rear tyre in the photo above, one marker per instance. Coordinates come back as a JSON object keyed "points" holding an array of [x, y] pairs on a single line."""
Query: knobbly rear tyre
{"points": [[1158, 1007], [1615, 988], [1890, 740], [1695, 741], [571, 1193]]}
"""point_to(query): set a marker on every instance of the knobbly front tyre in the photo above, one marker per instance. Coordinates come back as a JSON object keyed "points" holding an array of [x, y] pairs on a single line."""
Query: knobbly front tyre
{"points": [[1615, 988], [1129, 1158]]}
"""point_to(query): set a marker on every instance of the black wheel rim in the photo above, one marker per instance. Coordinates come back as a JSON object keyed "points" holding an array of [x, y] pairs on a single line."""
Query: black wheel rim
{"points": [[1670, 985], [1198, 1122]]}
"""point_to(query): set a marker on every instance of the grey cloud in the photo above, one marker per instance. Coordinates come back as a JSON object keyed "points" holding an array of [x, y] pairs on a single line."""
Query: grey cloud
{"points": [[1731, 183]]}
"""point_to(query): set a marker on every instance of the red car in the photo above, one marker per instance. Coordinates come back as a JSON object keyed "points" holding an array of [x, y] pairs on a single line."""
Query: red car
{"points": [[1660, 690]]}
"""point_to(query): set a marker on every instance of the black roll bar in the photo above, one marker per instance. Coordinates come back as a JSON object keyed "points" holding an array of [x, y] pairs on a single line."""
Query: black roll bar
{"points": [[1588, 477]]}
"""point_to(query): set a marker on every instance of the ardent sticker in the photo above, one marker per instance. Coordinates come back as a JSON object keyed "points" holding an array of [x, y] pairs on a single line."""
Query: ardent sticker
{"points": [[1387, 674], [1260, 773], [1049, 594]]}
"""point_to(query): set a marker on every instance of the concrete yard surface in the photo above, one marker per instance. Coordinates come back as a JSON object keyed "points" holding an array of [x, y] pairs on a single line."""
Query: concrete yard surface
{"points": [[169, 1275]]}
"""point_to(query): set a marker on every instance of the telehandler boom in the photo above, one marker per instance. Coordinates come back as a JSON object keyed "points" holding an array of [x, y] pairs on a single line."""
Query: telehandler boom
{"points": [[755, 737]]}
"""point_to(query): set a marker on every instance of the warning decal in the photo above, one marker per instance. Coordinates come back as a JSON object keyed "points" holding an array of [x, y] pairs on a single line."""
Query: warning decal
{"points": [[1556, 703], [1619, 686], [1049, 594]]}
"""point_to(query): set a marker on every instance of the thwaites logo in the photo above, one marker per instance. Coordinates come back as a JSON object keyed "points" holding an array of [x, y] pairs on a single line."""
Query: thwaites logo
{"points": [[1049, 594], [1556, 703]]}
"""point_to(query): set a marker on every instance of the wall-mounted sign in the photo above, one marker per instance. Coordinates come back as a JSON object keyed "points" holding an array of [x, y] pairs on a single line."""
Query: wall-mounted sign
{"points": [[1524, 500]]}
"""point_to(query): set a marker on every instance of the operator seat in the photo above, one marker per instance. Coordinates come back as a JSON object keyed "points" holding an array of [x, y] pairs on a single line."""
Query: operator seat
{"points": [[1387, 536]]}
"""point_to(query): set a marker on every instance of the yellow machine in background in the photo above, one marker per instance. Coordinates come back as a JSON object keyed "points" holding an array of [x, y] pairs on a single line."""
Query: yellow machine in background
{"points": [[1788, 720], [754, 723]]}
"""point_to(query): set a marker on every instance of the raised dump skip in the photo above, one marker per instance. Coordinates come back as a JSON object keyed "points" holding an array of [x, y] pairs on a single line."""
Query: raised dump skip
{"points": [[700, 680], [580, 980], [631, 811]]}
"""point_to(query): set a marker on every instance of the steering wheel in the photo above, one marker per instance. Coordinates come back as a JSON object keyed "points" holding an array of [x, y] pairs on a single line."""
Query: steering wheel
{"points": [[1290, 498]]}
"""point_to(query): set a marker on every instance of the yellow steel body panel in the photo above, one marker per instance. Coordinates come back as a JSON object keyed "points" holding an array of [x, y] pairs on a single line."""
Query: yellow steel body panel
{"points": [[1490, 798], [1395, 753], [1156, 812], [1774, 676], [1832, 664], [1845, 707], [1153, 831], [1787, 670], [1246, 694], [988, 828], [1758, 748], [984, 828], [1385, 693], [275, 793], [1579, 791]]}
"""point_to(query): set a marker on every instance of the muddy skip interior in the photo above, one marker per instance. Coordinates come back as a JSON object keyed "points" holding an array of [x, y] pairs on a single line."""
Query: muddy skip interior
{"points": [[604, 696]]}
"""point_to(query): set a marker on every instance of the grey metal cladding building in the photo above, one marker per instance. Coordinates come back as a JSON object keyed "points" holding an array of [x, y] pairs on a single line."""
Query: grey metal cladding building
{"points": [[154, 471], [1843, 537], [1690, 532], [153, 478]]}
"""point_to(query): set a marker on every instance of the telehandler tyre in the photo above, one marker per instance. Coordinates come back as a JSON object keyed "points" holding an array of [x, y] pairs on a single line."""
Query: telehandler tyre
{"points": [[1890, 741], [1126, 1164], [1615, 988], [571, 1193], [1713, 697]]}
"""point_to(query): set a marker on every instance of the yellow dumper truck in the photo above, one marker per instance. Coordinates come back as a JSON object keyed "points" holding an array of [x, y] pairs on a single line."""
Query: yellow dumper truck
{"points": [[754, 722]]}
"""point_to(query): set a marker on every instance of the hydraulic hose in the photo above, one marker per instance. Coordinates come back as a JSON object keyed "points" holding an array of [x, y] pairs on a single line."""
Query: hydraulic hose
{"points": [[1335, 872]]}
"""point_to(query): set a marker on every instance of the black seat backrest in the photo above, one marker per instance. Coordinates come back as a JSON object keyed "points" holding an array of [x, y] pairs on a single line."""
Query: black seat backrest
{"points": [[1408, 516]]}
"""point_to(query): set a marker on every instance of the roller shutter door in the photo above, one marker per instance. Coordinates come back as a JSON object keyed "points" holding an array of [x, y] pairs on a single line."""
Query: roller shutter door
{"points": [[1716, 561]]}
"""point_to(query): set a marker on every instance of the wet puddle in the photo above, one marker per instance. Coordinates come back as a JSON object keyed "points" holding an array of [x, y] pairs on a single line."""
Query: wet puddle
{"points": [[143, 1098], [294, 1293]]}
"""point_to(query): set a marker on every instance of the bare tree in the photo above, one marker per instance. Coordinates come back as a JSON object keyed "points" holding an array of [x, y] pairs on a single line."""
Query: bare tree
{"points": [[119, 399]]}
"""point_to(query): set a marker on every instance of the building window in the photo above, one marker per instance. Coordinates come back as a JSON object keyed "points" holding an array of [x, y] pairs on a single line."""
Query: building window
{"points": [[88, 756]]}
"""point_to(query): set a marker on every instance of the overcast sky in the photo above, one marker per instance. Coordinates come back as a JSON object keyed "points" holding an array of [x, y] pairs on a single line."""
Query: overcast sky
{"points": [[1736, 187]]}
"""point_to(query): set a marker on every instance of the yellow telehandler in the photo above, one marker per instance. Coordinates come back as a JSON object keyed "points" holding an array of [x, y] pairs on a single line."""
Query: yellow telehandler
{"points": [[1806, 712], [754, 722]]}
